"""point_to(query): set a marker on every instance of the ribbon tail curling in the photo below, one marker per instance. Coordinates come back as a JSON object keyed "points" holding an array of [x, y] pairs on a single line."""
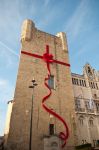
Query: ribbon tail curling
{"points": [[62, 135]]}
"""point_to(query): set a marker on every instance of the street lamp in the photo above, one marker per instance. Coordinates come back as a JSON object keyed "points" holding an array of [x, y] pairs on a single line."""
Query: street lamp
{"points": [[32, 87]]}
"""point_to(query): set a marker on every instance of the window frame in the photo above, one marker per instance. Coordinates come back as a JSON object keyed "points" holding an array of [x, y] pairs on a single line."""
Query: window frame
{"points": [[51, 129], [51, 82]]}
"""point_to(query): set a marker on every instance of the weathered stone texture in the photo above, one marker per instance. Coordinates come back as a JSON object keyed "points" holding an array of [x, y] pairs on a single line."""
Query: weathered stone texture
{"points": [[35, 41]]}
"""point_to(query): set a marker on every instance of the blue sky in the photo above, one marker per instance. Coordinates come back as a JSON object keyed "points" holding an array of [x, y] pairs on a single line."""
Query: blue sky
{"points": [[78, 18]]}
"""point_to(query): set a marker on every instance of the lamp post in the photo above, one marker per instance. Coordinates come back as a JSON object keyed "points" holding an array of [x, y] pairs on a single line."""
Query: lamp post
{"points": [[31, 118]]}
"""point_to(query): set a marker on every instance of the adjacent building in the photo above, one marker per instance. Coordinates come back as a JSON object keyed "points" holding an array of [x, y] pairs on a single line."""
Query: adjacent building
{"points": [[86, 97]]}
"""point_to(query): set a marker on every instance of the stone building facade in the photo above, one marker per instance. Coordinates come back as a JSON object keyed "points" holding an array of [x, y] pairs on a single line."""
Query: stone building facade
{"points": [[86, 96], [74, 97]]}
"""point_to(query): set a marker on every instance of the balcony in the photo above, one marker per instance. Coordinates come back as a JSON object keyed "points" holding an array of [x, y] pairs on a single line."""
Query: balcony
{"points": [[90, 111], [97, 111], [80, 109]]}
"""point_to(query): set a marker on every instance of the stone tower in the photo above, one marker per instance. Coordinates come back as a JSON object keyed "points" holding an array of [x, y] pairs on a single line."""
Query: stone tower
{"points": [[45, 126]]}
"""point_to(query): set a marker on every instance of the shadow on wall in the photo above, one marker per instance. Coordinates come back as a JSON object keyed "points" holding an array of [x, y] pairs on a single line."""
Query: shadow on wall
{"points": [[84, 147], [1, 143]]}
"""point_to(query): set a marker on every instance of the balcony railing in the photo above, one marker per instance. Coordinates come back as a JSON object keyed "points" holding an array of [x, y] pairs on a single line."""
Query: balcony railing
{"points": [[80, 109], [97, 111], [90, 110]]}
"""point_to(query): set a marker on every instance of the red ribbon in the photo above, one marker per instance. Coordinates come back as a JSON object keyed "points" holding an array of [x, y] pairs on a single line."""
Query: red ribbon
{"points": [[48, 58], [44, 57], [63, 135]]}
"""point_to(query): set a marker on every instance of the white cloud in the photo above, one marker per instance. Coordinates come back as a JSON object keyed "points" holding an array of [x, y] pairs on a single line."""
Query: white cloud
{"points": [[8, 57], [46, 2], [6, 91], [3, 82], [48, 16], [80, 52], [9, 49], [76, 22]]}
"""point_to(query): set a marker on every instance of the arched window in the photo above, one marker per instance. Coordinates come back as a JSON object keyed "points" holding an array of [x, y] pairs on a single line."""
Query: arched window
{"points": [[81, 120], [80, 82], [75, 81], [91, 121], [97, 106], [77, 104], [96, 86], [51, 82], [84, 83], [95, 95], [51, 124]]}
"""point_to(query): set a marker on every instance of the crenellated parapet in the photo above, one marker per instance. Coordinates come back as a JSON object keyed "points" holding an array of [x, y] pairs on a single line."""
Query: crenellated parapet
{"points": [[27, 30], [62, 36]]}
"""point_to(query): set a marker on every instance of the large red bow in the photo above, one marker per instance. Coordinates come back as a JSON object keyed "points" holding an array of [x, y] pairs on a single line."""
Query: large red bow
{"points": [[48, 58]]}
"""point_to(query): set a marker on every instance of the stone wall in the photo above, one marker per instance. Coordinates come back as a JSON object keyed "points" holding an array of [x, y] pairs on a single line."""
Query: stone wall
{"points": [[61, 101]]}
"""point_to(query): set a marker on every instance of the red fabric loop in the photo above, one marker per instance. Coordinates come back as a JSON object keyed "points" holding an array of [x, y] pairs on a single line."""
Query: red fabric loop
{"points": [[48, 57]]}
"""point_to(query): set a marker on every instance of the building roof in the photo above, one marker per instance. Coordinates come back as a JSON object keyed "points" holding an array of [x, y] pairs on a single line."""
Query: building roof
{"points": [[77, 75]]}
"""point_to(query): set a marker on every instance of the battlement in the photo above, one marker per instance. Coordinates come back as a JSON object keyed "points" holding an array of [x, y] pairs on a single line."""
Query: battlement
{"points": [[62, 36], [26, 34], [29, 30]]}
